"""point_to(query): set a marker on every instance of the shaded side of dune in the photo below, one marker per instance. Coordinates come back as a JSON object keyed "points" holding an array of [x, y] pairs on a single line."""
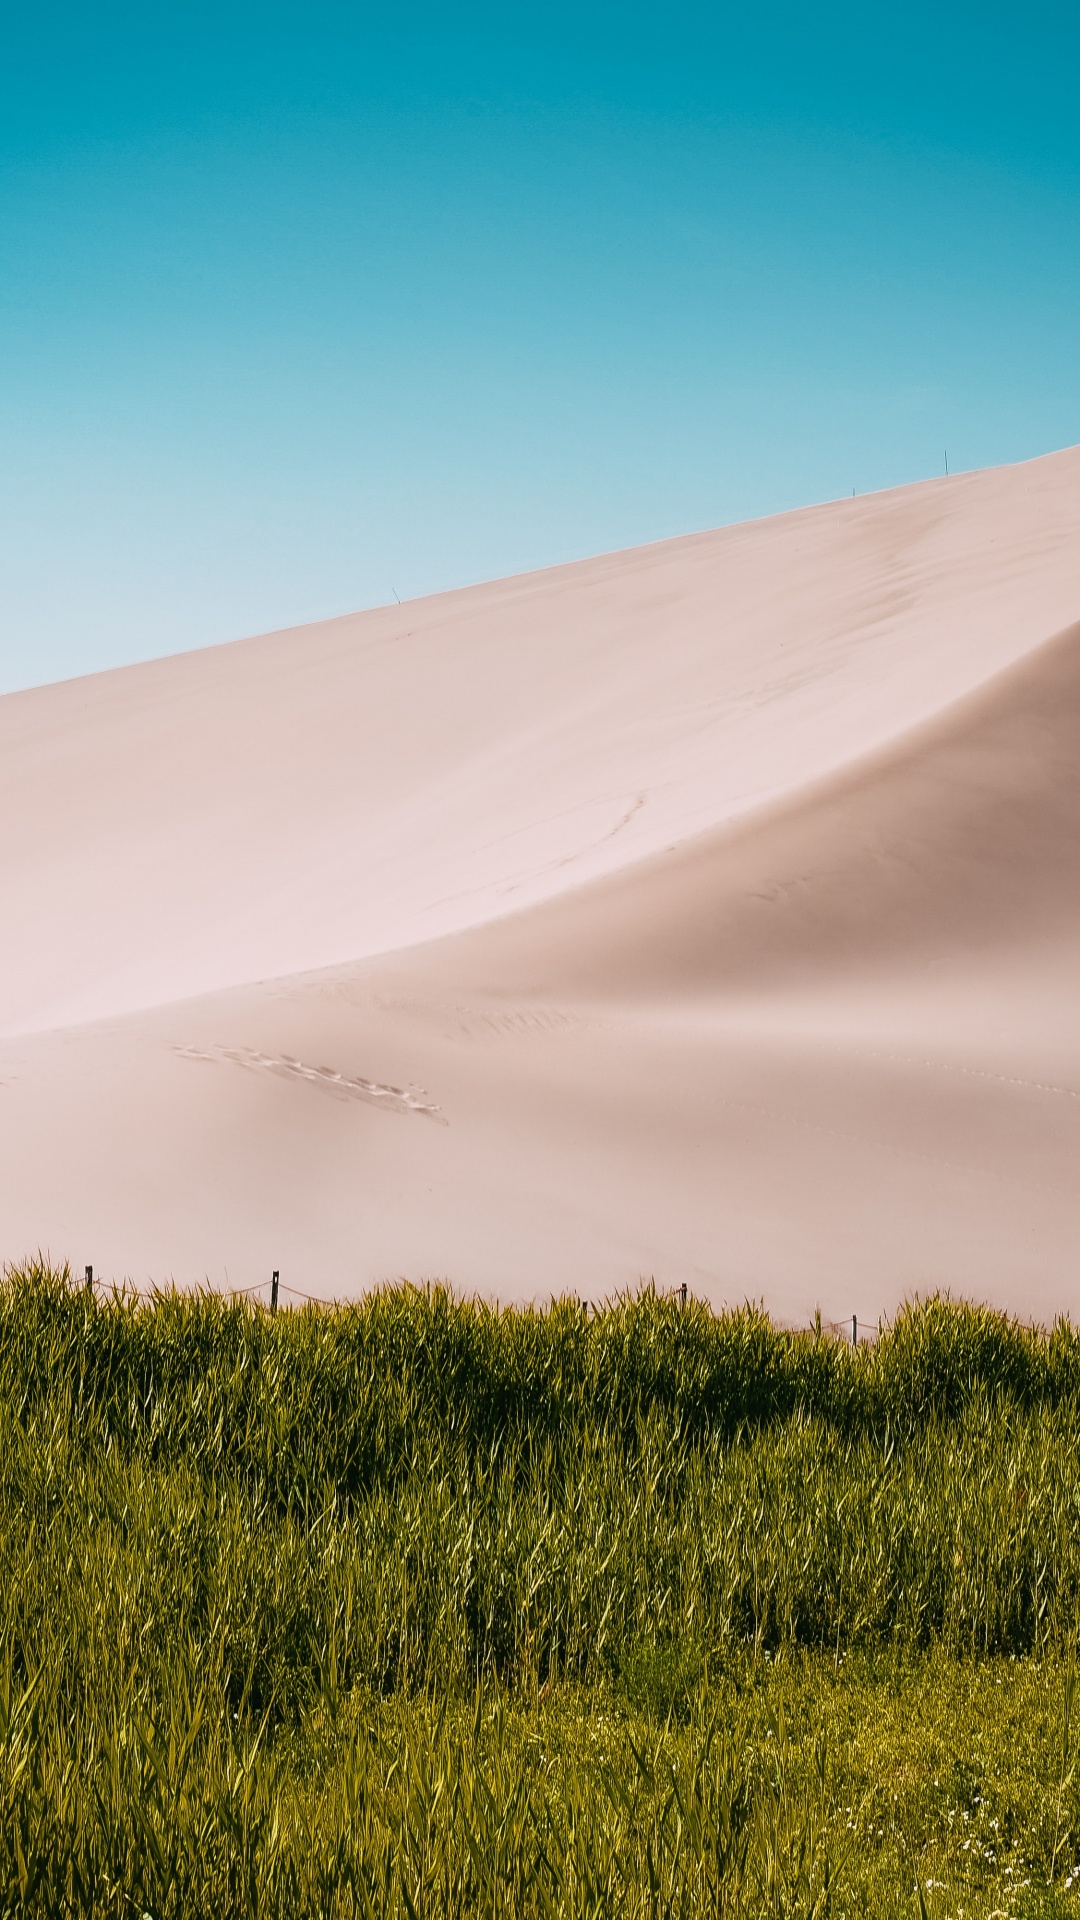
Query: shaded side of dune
{"points": [[957, 846]]}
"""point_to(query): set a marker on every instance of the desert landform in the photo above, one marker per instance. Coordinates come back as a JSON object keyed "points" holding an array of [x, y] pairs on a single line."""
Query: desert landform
{"points": [[707, 912]]}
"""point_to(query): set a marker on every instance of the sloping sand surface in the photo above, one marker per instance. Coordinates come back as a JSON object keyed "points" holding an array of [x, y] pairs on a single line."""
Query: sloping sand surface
{"points": [[708, 912]]}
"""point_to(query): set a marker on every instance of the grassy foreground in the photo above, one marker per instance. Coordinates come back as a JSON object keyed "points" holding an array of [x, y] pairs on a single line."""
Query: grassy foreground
{"points": [[419, 1609]]}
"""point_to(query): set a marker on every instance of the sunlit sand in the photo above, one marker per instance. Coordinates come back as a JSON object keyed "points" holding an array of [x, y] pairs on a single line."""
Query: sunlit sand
{"points": [[719, 900]]}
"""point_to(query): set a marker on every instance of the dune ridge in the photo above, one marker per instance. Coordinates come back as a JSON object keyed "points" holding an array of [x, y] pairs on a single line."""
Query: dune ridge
{"points": [[721, 898], [956, 844]]}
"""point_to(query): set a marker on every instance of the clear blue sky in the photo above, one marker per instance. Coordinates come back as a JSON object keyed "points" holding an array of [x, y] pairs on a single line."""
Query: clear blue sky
{"points": [[304, 305]]}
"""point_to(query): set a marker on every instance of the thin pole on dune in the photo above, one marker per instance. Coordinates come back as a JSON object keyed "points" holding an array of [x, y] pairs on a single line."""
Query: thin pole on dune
{"points": [[854, 1329], [273, 1292], [89, 1279]]}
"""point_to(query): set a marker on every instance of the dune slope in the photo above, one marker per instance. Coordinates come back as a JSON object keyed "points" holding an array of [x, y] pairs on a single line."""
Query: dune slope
{"points": [[709, 911]]}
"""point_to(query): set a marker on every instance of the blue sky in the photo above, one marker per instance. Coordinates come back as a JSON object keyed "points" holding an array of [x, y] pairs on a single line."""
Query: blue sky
{"points": [[302, 307]]}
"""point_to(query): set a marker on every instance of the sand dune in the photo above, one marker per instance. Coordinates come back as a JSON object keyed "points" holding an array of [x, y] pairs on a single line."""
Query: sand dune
{"points": [[718, 901]]}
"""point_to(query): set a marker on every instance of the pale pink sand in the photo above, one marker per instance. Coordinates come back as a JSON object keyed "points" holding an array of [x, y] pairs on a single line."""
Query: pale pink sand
{"points": [[709, 911]]}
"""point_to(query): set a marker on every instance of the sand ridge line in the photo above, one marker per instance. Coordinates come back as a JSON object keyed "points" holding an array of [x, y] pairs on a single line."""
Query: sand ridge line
{"points": [[392, 1099]]}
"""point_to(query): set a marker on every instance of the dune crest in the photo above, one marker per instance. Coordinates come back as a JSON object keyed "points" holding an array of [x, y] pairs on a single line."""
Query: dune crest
{"points": [[720, 898], [937, 856]]}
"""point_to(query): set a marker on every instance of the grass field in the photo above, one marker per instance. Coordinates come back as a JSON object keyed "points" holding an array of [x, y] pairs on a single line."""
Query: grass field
{"points": [[416, 1608]]}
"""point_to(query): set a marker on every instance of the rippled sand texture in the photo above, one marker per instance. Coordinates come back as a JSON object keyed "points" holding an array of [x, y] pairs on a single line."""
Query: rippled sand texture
{"points": [[719, 899]]}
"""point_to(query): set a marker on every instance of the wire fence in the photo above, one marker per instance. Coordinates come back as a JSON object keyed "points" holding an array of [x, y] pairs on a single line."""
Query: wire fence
{"points": [[859, 1329]]}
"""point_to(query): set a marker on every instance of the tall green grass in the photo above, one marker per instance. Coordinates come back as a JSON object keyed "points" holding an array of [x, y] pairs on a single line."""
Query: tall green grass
{"points": [[420, 1607]]}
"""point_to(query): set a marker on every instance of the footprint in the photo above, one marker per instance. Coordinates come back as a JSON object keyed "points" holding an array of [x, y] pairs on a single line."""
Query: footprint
{"points": [[394, 1099]]}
